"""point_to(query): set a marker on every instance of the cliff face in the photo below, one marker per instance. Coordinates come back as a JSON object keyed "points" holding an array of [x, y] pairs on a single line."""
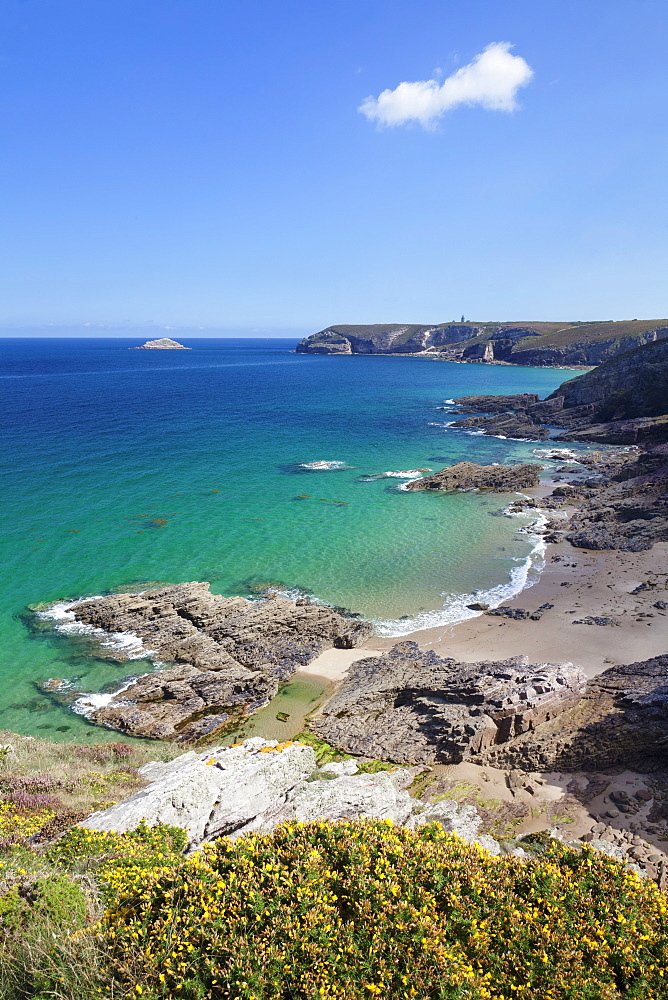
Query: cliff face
{"points": [[523, 344], [385, 338], [623, 401], [634, 384]]}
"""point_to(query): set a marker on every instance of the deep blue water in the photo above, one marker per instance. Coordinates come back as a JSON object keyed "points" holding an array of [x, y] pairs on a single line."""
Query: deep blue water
{"points": [[125, 467]]}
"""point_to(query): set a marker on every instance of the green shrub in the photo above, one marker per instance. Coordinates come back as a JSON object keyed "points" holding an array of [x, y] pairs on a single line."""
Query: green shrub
{"points": [[366, 909]]}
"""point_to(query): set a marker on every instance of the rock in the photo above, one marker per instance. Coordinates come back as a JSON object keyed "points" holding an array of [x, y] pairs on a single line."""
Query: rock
{"points": [[517, 614], [453, 818], [256, 785], [230, 655], [595, 620], [661, 605], [478, 606], [223, 792], [341, 767], [380, 795], [414, 707], [468, 475], [496, 404], [163, 344], [509, 425], [539, 612], [621, 720]]}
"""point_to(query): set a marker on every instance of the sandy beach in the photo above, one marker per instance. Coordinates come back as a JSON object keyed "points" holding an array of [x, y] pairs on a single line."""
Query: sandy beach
{"points": [[579, 583]]}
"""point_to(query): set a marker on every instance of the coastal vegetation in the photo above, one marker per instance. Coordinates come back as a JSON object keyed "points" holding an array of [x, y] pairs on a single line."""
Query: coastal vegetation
{"points": [[347, 910]]}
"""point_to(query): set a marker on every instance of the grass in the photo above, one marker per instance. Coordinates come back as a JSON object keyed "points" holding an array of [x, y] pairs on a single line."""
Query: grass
{"points": [[47, 787]]}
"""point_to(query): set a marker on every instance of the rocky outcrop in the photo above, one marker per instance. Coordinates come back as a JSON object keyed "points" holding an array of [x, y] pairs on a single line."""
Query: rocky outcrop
{"points": [[469, 476], [646, 431], [509, 425], [414, 707], [634, 384], [621, 721], [252, 787], [163, 344], [624, 401], [230, 655], [594, 351], [496, 404], [626, 509]]}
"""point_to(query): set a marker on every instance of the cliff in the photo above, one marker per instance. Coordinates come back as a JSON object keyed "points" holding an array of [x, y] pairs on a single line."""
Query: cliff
{"points": [[623, 401], [523, 343]]}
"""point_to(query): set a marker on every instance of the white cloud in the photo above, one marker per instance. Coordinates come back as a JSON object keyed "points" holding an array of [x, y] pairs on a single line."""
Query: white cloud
{"points": [[491, 80]]}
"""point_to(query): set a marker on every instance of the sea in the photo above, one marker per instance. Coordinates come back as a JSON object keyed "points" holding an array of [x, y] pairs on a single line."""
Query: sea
{"points": [[247, 465]]}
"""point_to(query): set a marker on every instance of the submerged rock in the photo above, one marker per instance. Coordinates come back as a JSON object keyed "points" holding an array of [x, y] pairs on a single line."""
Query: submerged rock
{"points": [[418, 708], [468, 476]]}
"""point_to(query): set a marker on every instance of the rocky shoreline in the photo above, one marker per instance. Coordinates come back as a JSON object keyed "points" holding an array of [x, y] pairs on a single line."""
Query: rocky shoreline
{"points": [[229, 655]]}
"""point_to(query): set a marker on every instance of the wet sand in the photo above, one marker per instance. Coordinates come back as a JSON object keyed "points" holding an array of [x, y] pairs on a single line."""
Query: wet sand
{"points": [[579, 583]]}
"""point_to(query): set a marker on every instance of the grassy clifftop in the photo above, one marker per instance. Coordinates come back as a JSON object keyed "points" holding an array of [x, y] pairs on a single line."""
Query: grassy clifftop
{"points": [[521, 342]]}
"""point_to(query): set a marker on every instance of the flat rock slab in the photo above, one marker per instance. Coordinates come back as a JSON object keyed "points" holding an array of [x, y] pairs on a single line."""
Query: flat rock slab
{"points": [[415, 707]]}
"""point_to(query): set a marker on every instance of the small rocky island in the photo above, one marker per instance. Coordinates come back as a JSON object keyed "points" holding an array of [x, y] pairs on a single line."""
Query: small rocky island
{"points": [[163, 344], [470, 476]]}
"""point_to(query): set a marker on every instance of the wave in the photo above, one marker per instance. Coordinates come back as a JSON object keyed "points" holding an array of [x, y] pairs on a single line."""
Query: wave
{"points": [[322, 465], [128, 644], [455, 609], [86, 704], [556, 454]]}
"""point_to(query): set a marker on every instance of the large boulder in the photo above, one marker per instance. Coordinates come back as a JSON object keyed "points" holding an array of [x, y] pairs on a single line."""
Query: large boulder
{"points": [[221, 792], [415, 707], [469, 476], [252, 787]]}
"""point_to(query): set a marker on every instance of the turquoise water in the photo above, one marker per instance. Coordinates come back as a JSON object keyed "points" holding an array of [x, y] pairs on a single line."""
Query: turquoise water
{"points": [[129, 467]]}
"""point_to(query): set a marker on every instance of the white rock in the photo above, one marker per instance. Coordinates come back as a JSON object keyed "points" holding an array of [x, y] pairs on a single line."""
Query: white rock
{"points": [[340, 767], [232, 794], [377, 796], [462, 820]]}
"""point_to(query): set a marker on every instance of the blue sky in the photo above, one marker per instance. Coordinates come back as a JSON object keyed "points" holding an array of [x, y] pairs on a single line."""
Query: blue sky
{"points": [[206, 162]]}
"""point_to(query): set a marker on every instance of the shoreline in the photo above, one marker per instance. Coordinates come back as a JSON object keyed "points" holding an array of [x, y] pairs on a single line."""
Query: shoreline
{"points": [[595, 583], [579, 583]]}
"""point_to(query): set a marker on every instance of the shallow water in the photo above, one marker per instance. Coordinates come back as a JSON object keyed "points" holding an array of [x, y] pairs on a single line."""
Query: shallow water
{"points": [[126, 468]]}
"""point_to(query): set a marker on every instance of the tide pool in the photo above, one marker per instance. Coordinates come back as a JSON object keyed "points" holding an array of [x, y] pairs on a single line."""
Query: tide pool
{"points": [[125, 468]]}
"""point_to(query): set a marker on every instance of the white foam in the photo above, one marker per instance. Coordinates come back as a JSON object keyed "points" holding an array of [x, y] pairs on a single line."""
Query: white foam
{"points": [[86, 704], [127, 643], [450, 401], [556, 454], [406, 474], [322, 465], [455, 609]]}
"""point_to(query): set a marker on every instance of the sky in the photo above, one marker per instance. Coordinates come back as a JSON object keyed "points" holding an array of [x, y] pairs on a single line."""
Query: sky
{"points": [[256, 167]]}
